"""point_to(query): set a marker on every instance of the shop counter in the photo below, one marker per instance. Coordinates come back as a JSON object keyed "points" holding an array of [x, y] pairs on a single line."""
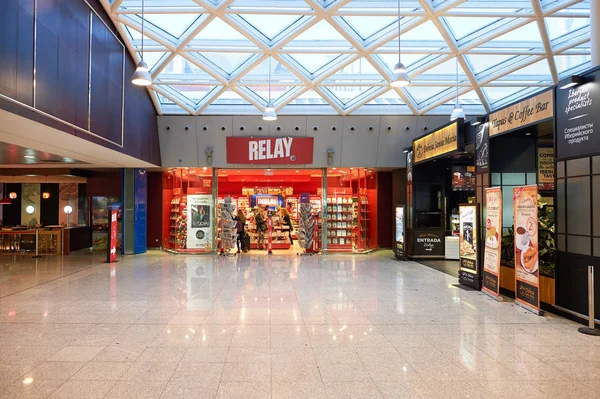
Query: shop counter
{"points": [[77, 238], [452, 248], [49, 240]]}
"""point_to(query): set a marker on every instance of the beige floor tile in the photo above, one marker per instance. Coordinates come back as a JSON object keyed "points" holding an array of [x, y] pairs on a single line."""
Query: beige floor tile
{"points": [[136, 390], [102, 371], [35, 389], [162, 354], [199, 372], [244, 390], [151, 371], [249, 355], [191, 390], [55, 371], [291, 364], [83, 389], [298, 390], [205, 355], [76, 354], [352, 390], [247, 372], [341, 365]]}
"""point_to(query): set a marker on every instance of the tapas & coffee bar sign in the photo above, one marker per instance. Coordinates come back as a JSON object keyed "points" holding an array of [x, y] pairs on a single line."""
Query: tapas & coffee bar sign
{"points": [[526, 112]]}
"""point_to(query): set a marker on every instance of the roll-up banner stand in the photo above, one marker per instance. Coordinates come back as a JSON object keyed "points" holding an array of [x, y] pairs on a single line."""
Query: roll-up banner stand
{"points": [[111, 256], [468, 273], [199, 221], [493, 243], [527, 274], [400, 237]]}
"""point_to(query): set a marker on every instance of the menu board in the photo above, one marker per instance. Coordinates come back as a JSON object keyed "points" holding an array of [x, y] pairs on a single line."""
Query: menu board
{"points": [[526, 247], [493, 241], [576, 116], [399, 249], [463, 178], [199, 221], [546, 167], [482, 147], [468, 245]]}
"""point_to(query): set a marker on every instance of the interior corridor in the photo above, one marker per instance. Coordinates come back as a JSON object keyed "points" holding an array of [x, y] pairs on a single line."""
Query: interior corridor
{"points": [[281, 326]]}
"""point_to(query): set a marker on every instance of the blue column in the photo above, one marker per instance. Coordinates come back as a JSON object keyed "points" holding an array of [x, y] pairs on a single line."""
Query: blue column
{"points": [[135, 199]]}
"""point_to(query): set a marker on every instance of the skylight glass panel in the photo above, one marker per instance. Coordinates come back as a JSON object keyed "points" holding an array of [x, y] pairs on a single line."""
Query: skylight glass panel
{"points": [[320, 35], [194, 93], [569, 64], [360, 71], [425, 35], [423, 93], [408, 59], [181, 69], [464, 26], [260, 73], [226, 62], [390, 97], [445, 72], [483, 62], [172, 24], [366, 26], [314, 62], [533, 73], [525, 36], [151, 58], [310, 97], [558, 27], [277, 90], [504, 95], [346, 94], [230, 97], [136, 39], [470, 98], [220, 33], [269, 25]]}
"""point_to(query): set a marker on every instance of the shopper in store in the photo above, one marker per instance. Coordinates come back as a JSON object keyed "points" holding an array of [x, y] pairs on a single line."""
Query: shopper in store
{"points": [[287, 222], [240, 220], [261, 227]]}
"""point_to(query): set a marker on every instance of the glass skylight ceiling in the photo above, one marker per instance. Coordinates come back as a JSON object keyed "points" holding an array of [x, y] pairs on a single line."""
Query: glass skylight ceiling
{"points": [[336, 56]]}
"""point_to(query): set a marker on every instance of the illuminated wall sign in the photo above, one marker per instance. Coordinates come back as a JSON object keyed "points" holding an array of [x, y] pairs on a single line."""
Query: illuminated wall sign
{"points": [[526, 112], [443, 141]]}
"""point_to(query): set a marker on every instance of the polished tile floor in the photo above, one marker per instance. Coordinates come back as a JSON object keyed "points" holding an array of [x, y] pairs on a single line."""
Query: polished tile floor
{"points": [[173, 326]]}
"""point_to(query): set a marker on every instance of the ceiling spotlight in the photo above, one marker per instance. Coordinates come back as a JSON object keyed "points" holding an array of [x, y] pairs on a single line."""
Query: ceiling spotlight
{"points": [[570, 82], [141, 76], [270, 115], [478, 121], [400, 78], [457, 112]]}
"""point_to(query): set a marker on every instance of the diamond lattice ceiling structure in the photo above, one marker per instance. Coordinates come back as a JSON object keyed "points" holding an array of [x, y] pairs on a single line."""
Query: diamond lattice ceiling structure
{"points": [[336, 56]]}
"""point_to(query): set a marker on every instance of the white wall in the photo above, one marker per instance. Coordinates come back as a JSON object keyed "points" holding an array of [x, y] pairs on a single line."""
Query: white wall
{"points": [[376, 141]]}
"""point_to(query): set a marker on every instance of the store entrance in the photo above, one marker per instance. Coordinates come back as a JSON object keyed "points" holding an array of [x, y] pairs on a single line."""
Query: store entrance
{"points": [[268, 202]]}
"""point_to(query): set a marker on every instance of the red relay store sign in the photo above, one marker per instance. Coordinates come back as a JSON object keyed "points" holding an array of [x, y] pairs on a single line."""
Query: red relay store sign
{"points": [[283, 150]]}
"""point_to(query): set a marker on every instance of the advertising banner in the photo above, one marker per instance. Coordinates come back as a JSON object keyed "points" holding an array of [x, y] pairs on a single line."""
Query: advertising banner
{"points": [[199, 221], [468, 241], [409, 167], [266, 150], [493, 241], [482, 148], [400, 234], [576, 115], [526, 112], [443, 141], [546, 167], [112, 236], [526, 247]]}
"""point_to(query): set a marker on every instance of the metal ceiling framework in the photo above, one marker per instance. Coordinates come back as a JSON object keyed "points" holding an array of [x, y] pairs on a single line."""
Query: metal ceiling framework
{"points": [[336, 56]]}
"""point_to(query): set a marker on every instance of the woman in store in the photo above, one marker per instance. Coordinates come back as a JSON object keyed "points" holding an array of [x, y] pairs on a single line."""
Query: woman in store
{"points": [[261, 227], [285, 215], [240, 220]]}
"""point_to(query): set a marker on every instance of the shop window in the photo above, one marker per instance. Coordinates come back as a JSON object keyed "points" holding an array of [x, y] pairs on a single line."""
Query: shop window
{"points": [[560, 206], [578, 206], [578, 167], [496, 179], [531, 178], [507, 208], [596, 165], [513, 179], [579, 244], [560, 169]]}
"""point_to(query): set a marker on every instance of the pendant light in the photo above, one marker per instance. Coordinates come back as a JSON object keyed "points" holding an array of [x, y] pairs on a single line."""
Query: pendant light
{"points": [[141, 76], [400, 77], [457, 112], [270, 115]]}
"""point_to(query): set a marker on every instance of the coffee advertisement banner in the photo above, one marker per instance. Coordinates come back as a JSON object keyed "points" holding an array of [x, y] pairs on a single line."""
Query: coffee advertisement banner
{"points": [[526, 246], [468, 238], [440, 142], [546, 167], [577, 116], [526, 112], [493, 241]]}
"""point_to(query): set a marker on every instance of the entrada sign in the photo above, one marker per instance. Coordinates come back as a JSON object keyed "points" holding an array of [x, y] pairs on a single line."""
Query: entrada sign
{"points": [[526, 112], [266, 150]]}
